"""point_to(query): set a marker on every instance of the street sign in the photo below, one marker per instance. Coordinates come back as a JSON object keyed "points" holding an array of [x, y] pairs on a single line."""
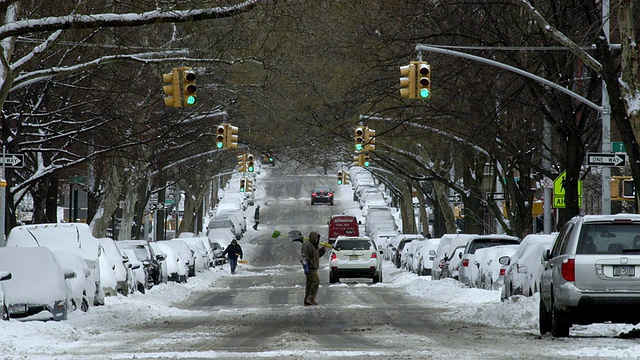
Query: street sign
{"points": [[455, 198], [12, 160], [496, 196], [558, 185], [618, 147], [606, 159]]}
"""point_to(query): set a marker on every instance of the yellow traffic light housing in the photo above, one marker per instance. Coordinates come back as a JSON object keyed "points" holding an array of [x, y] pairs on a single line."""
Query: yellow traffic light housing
{"points": [[369, 140], [340, 178], [408, 81], [221, 133], [358, 160], [346, 178], [243, 184], [242, 163], [232, 137], [424, 80], [250, 167], [189, 87], [366, 160], [172, 89], [358, 138], [248, 185]]}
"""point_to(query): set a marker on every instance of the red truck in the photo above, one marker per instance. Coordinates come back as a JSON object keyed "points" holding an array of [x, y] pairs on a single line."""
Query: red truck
{"points": [[342, 225]]}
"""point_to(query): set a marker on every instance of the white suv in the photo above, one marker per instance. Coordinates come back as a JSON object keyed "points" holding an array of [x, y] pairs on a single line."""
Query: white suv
{"points": [[355, 257]]}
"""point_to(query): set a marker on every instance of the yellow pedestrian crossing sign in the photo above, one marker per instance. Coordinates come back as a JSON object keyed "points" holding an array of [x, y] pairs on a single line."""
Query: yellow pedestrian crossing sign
{"points": [[559, 191]]}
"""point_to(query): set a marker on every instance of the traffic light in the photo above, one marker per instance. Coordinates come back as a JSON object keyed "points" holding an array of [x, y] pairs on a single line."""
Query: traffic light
{"points": [[250, 167], [358, 139], [189, 87], [369, 140], [408, 81], [424, 80], [628, 189], [242, 163], [172, 89], [249, 186], [243, 184], [346, 178], [366, 161], [340, 177], [221, 133], [232, 137], [358, 160]]}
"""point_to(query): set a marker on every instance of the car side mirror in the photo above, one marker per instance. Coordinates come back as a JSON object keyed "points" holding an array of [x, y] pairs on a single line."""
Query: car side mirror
{"points": [[160, 257], [546, 256], [460, 255], [5, 275], [69, 274], [504, 260]]}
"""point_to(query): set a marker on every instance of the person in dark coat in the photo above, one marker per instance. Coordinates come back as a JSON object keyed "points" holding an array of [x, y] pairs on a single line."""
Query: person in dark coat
{"points": [[256, 218], [310, 258], [233, 252]]}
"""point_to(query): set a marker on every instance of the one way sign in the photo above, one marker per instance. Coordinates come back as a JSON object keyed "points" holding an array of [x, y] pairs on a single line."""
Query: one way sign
{"points": [[12, 160], [606, 159]]}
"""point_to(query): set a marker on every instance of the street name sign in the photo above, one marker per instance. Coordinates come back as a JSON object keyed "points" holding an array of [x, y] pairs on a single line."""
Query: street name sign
{"points": [[606, 159], [12, 160]]}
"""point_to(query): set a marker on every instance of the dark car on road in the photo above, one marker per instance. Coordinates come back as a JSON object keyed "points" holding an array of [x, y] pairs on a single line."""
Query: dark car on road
{"points": [[322, 195]]}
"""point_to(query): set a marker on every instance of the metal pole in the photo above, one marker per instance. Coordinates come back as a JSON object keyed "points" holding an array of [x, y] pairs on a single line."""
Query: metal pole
{"points": [[3, 200], [606, 122]]}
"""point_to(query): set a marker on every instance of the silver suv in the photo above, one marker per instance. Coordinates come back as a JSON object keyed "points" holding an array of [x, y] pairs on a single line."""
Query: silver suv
{"points": [[592, 274]]}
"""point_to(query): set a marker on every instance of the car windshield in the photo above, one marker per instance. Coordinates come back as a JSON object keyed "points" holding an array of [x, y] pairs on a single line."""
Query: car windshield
{"points": [[609, 239], [353, 245]]}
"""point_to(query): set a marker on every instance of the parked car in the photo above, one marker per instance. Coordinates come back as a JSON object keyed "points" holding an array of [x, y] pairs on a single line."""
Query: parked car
{"points": [[237, 214], [4, 311], [162, 262], [149, 259], [201, 255], [492, 263], [322, 194], [108, 280], [402, 240], [35, 292], [522, 275], [73, 237], [176, 269], [355, 257], [111, 251], [468, 272], [408, 254], [439, 259], [140, 273], [423, 260], [456, 248], [225, 223], [185, 254], [591, 274], [80, 287]]}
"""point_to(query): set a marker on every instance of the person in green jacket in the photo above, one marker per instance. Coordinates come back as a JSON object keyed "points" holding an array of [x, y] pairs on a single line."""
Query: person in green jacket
{"points": [[310, 258]]}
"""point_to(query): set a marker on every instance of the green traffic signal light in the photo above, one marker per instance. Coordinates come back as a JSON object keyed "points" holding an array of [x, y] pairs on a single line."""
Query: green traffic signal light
{"points": [[424, 93], [191, 100], [219, 145], [359, 147]]}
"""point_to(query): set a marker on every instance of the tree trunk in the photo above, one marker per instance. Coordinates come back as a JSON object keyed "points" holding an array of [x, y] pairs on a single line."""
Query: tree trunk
{"points": [[109, 201]]}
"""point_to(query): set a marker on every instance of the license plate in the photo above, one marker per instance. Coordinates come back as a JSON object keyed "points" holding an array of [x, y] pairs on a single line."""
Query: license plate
{"points": [[353, 257], [624, 271]]}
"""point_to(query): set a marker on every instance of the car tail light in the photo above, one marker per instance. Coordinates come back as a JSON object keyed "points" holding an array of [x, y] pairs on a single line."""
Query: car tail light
{"points": [[314, 194], [465, 262], [330, 194], [334, 256], [374, 255], [569, 269], [502, 272]]}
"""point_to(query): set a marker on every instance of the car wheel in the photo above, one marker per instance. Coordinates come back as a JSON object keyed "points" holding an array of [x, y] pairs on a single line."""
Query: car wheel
{"points": [[331, 203], [376, 278], [333, 279], [141, 288], [311, 202], [5, 313], [559, 323], [544, 319], [84, 306]]}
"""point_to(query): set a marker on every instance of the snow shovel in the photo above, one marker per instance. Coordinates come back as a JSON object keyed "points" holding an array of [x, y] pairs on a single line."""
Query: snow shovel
{"points": [[243, 261]]}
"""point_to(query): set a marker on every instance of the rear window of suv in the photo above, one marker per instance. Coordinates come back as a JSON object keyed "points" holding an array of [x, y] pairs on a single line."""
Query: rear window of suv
{"points": [[353, 245], [609, 239], [484, 243]]}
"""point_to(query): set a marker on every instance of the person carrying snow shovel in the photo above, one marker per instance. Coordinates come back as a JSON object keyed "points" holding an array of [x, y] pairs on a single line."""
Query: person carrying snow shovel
{"points": [[310, 257], [256, 218], [233, 252]]}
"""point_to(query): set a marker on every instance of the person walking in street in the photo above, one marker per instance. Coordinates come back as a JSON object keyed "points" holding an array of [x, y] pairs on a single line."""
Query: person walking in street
{"points": [[233, 252], [310, 258], [256, 218]]}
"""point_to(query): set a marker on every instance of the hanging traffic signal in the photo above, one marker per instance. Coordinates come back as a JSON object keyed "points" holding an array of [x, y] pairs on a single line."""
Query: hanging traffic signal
{"points": [[221, 132], [369, 140], [172, 89], [242, 163], [189, 87], [232, 136], [346, 178], [243, 184], [250, 167], [358, 138], [408, 81], [340, 177], [248, 186], [628, 189], [424, 80], [358, 160], [366, 161]]}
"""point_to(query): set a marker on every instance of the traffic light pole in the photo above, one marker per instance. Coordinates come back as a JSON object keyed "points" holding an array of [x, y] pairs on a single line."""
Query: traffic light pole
{"points": [[547, 199]]}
